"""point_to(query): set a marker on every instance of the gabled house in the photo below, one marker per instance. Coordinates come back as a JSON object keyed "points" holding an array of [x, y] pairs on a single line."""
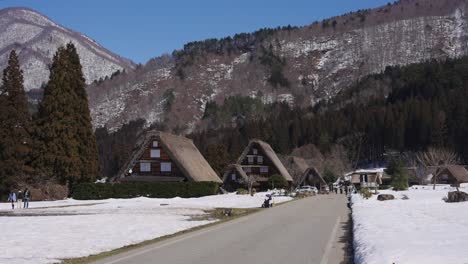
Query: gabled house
{"points": [[164, 157], [313, 178], [234, 178], [257, 160], [451, 174], [304, 174]]}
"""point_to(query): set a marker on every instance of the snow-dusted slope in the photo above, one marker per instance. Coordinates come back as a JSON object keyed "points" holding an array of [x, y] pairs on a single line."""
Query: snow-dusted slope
{"points": [[321, 60], [36, 38]]}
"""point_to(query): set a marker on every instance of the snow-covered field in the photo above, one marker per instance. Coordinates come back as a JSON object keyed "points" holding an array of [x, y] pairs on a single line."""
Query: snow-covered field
{"points": [[70, 228], [423, 229]]}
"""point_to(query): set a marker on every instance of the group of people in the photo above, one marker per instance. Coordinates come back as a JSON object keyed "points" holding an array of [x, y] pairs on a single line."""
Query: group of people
{"points": [[341, 189], [20, 198]]}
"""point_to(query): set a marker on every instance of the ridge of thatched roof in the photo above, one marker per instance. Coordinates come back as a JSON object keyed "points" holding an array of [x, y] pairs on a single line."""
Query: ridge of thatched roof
{"points": [[181, 150], [236, 167], [459, 172], [271, 154]]}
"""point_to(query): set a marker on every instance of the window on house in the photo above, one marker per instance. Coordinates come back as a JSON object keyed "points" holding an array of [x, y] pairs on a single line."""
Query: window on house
{"points": [[155, 153], [260, 159], [233, 176], [263, 169], [250, 159], [255, 151], [145, 167], [247, 169], [364, 178], [166, 167], [155, 144]]}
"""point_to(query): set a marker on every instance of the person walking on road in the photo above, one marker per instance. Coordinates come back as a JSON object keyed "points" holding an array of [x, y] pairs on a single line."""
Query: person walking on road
{"points": [[12, 199], [26, 198]]}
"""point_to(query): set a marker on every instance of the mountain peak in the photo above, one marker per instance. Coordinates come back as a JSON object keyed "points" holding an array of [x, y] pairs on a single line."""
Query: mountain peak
{"points": [[37, 37]]}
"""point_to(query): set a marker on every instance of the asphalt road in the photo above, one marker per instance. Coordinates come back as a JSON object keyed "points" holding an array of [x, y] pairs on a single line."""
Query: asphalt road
{"points": [[304, 231]]}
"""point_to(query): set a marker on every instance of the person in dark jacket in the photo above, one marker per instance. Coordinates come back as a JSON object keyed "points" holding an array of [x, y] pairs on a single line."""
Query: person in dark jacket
{"points": [[12, 199], [26, 198]]}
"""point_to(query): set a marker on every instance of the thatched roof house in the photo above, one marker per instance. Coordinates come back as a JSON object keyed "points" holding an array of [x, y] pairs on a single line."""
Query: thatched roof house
{"points": [[312, 177], [257, 160], [234, 177], [452, 174], [164, 157], [250, 157]]}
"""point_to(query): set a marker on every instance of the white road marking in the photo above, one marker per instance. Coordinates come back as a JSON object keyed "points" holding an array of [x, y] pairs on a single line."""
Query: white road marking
{"points": [[243, 219], [330, 242]]}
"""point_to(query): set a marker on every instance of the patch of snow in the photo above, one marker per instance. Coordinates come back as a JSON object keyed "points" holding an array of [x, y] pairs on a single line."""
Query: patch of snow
{"points": [[423, 229], [83, 228]]}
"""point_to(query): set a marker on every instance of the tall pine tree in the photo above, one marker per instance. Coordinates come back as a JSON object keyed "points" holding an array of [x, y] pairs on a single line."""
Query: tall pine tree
{"points": [[15, 138], [67, 149]]}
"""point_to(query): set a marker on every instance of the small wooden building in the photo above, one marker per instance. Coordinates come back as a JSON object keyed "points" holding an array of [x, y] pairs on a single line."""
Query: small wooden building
{"points": [[369, 178], [452, 174], [259, 160], [164, 157]]}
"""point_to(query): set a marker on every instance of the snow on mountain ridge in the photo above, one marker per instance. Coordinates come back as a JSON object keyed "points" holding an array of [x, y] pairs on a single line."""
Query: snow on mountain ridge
{"points": [[320, 62], [36, 38]]}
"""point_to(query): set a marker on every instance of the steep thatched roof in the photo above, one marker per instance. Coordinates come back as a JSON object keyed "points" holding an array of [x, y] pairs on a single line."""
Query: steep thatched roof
{"points": [[458, 171], [314, 172], [300, 163], [181, 150], [270, 153], [237, 168]]}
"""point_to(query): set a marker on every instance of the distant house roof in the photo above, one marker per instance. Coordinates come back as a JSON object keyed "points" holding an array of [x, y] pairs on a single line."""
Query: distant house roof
{"points": [[237, 168], [181, 150], [270, 153], [315, 173], [459, 172]]}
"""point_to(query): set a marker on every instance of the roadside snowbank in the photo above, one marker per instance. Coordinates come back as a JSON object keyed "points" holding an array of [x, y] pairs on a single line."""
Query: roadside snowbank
{"points": [[423, 229], [70, 228]]}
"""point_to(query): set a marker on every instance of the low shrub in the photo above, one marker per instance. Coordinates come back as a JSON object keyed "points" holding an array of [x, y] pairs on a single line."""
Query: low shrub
{"points": [[96, 191], [277, 181], [365, 193], [242, 191]]}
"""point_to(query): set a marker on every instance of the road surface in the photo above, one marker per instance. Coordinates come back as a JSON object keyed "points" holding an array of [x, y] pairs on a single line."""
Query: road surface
{"points": [[306, 231]]}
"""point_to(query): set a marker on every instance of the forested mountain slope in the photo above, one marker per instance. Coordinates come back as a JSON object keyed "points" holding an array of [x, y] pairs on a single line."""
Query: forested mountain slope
{"points": [[300, 66]]}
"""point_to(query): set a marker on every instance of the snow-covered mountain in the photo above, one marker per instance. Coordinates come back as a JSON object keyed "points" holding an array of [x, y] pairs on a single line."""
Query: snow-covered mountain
{"points": [[36, 38]]}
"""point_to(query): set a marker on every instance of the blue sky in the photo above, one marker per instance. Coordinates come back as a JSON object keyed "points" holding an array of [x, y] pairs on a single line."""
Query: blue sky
{"points": [[142, 29]]}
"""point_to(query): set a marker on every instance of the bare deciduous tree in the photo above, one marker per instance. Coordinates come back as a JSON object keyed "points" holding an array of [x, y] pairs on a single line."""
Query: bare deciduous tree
{"points": [[251, 179], [436, 158]]}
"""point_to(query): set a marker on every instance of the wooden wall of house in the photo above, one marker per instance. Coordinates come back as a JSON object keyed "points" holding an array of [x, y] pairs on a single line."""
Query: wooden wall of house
{"points": [[256, 165], [156, 163]]}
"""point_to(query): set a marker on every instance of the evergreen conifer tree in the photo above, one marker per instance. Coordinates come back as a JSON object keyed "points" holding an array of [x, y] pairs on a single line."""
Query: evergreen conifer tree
{"points": [[67, 149], [15, 122]]}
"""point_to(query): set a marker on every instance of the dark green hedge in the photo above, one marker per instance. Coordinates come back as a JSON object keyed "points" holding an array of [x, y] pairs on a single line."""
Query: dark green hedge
{"points": [[96, 191]]}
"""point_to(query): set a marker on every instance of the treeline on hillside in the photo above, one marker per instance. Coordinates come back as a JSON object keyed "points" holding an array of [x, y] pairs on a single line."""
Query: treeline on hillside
{"points": [[57, 144], [426, 106]]}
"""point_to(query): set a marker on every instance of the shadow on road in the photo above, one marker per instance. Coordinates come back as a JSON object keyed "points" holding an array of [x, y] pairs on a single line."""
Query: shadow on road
{"points": [[347, 240]]}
